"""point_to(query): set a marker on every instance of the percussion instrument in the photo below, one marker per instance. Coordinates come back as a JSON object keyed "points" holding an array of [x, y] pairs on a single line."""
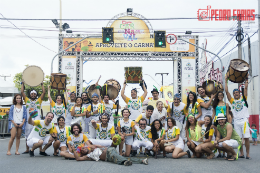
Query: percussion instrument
{"points": [[111, 88], [33, 76], [58, 81], [93, 89], [237, 70], [133, 74], [212, 87]]}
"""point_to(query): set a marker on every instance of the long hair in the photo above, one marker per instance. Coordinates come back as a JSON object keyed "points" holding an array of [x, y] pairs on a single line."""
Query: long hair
{"points": [[216, 100], [14, 100], [188, 100], [154, 131], [75, 124], [81, 102], [209, 125], [172, 120], [188, 123], [63, 99]]}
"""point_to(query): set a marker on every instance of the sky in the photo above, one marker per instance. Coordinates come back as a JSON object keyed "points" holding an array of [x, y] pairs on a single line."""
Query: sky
{"points": [[17, 50]]}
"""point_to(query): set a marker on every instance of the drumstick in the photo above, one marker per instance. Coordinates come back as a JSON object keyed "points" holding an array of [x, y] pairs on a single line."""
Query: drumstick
{"points": [[98, 78], [205, 134]]}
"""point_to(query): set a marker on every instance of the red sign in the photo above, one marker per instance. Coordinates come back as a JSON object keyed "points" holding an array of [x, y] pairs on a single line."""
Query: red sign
{"points": [[171, 39]]}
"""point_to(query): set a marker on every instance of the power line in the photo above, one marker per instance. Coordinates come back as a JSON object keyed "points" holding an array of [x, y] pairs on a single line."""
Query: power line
{"points": [[27, 35]]}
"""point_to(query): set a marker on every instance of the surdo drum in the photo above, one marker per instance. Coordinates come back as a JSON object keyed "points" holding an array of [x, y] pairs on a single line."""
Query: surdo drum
{"points": [[237, 70], [58, 81]]}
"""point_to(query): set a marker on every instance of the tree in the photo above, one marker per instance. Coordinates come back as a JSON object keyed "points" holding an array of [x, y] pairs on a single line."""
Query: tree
{"points": [[18, 79]]}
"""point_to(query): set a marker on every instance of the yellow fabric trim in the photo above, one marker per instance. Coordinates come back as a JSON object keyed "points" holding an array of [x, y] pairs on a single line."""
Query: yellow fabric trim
{"points": [[138, 118], [85, 138]]}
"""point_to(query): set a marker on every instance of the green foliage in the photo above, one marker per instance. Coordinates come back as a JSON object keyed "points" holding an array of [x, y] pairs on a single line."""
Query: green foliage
{"points": [[18, 79]]}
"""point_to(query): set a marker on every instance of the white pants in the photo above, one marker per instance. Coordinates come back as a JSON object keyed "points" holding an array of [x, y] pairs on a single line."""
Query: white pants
{"points": [[32, 141], [80, 121], [28, 130], [146, 144], [92, 130], [232, 143], [239, 127], [129, 140], [87, 120], [105, 143]]}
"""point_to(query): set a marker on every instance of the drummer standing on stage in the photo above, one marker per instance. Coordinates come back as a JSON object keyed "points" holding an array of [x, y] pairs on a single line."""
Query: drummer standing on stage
{"points": [[71, 103], [176, 111], [86, 103], [205, 103], [156, 98], [35, 103], [135, 103], [240, 115]]}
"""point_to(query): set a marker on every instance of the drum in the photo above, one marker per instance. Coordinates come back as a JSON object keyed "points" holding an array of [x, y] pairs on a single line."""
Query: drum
{"points": [[111, 88], [133, 74], [237, 70], [212, 87], [33, 76], [92, 89], [58, 81]]}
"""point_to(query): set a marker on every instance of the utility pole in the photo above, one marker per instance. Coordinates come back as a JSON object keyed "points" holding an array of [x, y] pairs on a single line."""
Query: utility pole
{"points": [[239, 39], [259, 45], [5, 76], [162, 78]]}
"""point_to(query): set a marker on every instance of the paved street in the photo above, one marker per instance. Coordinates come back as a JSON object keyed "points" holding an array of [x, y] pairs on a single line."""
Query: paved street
{"points": [[39, 164]]}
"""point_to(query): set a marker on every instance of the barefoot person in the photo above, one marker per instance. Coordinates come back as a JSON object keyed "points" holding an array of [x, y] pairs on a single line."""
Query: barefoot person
{"points": [[135, 103], [38, 137], [105, 131], [17, 119], [231, 140], [105, 154], [193, 133], [59, 107], [78, 112], [157, 135], [74, 140], [32, 102], [61, 135], [126, 128], [207, 138], [240, 115], [174, 140]]}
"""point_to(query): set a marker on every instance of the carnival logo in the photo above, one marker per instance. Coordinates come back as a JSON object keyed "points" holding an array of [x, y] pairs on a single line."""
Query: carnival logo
{"points": [[188, 66], [225, 14], [69, 64]]}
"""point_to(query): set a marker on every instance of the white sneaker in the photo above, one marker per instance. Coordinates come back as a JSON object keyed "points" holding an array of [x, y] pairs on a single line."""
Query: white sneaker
{"points": [[145, 161]]}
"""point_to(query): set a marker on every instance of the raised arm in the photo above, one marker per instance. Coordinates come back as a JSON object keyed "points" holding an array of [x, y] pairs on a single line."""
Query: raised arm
{"points": [[123, 91], [94, 124], [207, 105], [66, 96], [226, 89], [49, 94], [145, 90], [229, 118], [43, 91], [30, 121], [22, 91], [246, 87]]}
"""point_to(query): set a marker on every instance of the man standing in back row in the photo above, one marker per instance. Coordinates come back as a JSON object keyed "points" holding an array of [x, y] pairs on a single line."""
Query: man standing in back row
{"points": [[156, 98], [135, 103], [241, 115], [205, 103]]}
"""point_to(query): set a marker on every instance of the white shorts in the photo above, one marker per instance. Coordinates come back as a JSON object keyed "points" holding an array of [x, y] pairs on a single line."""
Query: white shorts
{"points": [[62, 144], [137, 144], [129, 140], [183, 131], [105, 143], [179, 144], [232, 143], [196, 142], [239, 128], [32, 141], [28, 130]]}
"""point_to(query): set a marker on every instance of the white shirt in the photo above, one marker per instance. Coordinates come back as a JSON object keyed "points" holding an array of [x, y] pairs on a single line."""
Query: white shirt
{"points": [[178, 113], [18, 115], [39, 129], [68, 113]]}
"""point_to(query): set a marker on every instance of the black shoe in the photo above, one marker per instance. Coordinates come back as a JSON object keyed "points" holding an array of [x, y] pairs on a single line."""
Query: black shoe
{"points": [[188, 151], [219, 156], [134, 153], [148, 153], [71, 158], [44, 154], [31, 153]]}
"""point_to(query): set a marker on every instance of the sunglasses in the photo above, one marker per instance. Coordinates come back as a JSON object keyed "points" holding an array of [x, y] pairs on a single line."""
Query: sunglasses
{"points": [[142, 124]]}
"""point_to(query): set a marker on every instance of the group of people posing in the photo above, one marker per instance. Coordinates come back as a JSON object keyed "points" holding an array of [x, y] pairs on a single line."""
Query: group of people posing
{"points": [[85, 129]]}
